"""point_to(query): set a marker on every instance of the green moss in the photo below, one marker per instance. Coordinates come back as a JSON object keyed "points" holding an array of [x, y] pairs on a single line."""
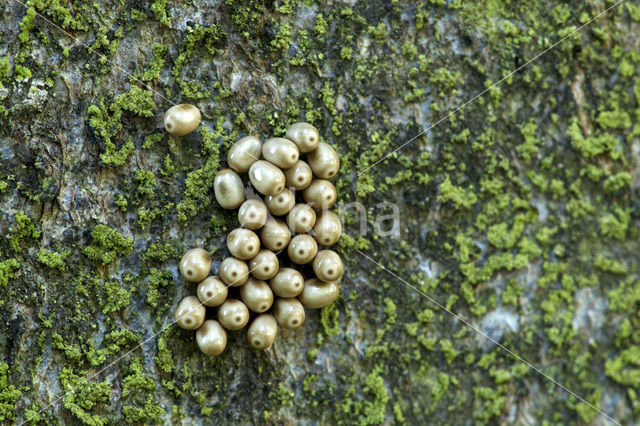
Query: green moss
{"points": [[169, 168], [152, 139], [106, 122], [625, 368], [146, 181], [198, 185], [22, 230], [615, 226], [152, 71], [136, 380], [147, 215], [71, 350], [501, 236], [8, 268], [136, 100], [159, 9], [9, 395], [488, 402], [198, 36], [530, 146], [512, 293], [117, 297], [112, 343], [614, 120], [158, 280], [460, 197], [378, 32], [625, 297], [159, 253], [107, 245], [609, 265], [107, 126], [593, 145], [137, 15], [5, 69], [321, 27], [282, 40], [164, 357], [117, 157], [449, 352], [21, 73], [54, 260], [375, 408], [144, 415], [282, 395], [82, 396], [617, 182], [121, 201], [329, 320]]}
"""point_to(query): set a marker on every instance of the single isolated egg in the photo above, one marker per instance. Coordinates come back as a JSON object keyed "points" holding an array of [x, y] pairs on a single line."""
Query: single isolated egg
{"points": [[180, 120]]}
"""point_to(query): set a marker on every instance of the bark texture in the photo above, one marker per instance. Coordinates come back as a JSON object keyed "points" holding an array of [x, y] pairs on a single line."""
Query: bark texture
{"points": [[519, 212]]}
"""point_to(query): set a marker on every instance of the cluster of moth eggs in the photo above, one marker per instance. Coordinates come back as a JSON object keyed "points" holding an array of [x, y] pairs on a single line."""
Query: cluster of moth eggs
{"points": [[271, 225]]}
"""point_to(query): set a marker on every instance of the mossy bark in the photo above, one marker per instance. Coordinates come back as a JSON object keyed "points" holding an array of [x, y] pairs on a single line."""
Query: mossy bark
{"points": [[519, 211]]}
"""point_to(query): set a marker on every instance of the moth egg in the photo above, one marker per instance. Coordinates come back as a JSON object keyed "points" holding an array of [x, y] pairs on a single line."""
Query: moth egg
{"points": [[327, 265], [281, 152], [266, 178], [280, 204], [288, 282], [265, 265], [298, 176], [301, 218], [327, 229], [302, 249], [304, 135], [289, 313], [256, 295], [195, 265], [243, 243], [275, 235], [320, 194], [190, 313], [234, 272], [233, 314], [180, 120], [228, 189], [324, 161], [252, 214], [211, 338], [318, 294], [244, 153], [262, 331], [212, 291]]}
